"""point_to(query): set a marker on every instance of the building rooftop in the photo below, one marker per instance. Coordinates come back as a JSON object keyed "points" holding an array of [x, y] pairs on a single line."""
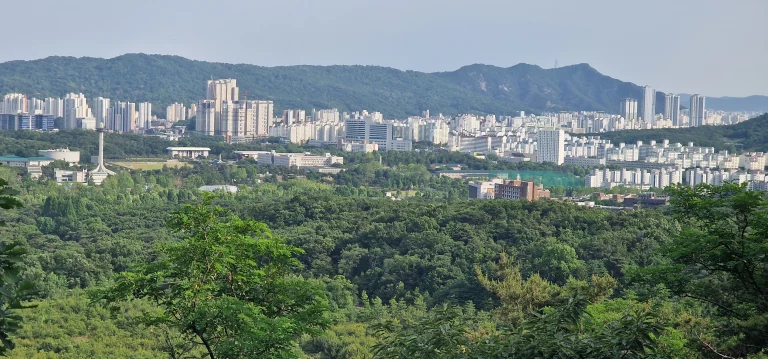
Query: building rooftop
{"points": [[187, 149], [23, 159]]}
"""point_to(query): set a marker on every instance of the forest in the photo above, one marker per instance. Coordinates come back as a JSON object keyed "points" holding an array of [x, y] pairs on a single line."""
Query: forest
{"points": [[303, 265]]}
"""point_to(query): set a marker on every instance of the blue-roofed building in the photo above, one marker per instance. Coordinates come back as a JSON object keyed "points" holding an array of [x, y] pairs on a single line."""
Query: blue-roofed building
{"points": [[33, 165]]}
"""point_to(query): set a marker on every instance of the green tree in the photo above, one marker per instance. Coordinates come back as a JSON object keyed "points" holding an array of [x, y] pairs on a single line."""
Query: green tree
{"points": [[13, 290], [229, 284], [721, 258]]}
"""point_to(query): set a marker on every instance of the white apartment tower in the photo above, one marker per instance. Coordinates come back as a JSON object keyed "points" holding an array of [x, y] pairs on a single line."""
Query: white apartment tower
{"points": [[122, 117], [629, 110], [176, 112], [75, 107], [649, 105], [144, 119], [550, 146], [53, 106], [697, 117], [15, 103], [672, 109], [101, 107], [205, 119]]}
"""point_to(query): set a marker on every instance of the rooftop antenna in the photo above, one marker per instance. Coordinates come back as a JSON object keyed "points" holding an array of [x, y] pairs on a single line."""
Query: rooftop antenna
{"points": [[556, 63]]}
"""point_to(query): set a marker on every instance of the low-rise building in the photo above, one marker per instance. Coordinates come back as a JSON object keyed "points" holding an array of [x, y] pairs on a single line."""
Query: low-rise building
{"points": [[646, 200], [517, 189], [64, 154], [64, 176], [484, 189], [298, 160], [188, 152]]}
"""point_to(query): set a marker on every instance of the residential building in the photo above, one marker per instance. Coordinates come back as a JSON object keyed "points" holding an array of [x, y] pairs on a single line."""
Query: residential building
{"points": [[629, 110], [205, 119], [672, 109], [144, 115], [75, 109], [175, 112], [14, 103], [101, 108], [550, 146], [697, 111], [122, 117], [649, 105], [54, 107]]}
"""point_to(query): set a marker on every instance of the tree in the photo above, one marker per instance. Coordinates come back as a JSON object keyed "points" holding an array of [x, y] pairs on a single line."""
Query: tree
{"points": [[228, 284], [13, 290], [720, 258]]}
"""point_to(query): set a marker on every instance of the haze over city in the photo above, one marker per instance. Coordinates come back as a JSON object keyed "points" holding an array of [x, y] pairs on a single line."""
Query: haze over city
{"points": [[710, 47]]}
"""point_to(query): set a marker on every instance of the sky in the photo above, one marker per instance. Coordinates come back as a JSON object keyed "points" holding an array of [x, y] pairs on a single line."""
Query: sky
{"points": [[712, 47]]}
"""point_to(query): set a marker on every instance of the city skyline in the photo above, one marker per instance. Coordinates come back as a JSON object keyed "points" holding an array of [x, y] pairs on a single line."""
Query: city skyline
{"points": [[434, 31]]}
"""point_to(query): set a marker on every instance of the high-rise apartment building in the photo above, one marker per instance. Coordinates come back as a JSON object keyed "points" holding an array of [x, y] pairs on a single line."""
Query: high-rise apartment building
{"points": [[144, 116], [75, 109], [629, 110], [192, 111], [550, 146], [263, 114], [294, 116], [205, 119], [672, 109], [649, 105], [697, 110], [15, 103], [35, 106], [176, 112], [101, 110], [122, 117], [54, 107]]}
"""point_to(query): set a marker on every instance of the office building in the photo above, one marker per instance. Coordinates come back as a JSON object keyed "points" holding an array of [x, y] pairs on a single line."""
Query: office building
{"points": [[517, 189], [298, 160], [649, 105], [144, 115], [188, 152], [368, 131], [672, 109], [550, 146], [25, 121], [697, 110]]}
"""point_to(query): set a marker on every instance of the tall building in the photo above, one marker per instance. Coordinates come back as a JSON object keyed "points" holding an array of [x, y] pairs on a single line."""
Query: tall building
{"points": [[54, 107], [176, 112], [264, 112], [649, 105], [629, 110], [368, 131], [15, 103], [101, 107], [122, 117], [672, 109], [35, 106], [550, 146], [192, 111], [205, 118], [294, 116], [144, 117], [697, 109], [75, 109]]}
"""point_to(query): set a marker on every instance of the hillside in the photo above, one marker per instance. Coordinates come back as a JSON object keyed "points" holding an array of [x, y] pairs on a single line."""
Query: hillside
{"points": [[476, 88], [749, 103], [751, 135]]}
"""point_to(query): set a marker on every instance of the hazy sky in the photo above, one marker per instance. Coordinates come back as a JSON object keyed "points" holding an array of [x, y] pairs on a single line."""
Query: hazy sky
{"points": [[713, 47]]}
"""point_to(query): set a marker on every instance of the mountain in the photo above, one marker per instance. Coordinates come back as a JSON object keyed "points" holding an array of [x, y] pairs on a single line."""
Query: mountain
{"points": [[732, 104], [163, 79], [750, 135]]}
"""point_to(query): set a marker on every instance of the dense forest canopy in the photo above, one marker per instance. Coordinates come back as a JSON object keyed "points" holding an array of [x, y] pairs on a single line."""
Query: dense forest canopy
{"points": [[121, 269]]}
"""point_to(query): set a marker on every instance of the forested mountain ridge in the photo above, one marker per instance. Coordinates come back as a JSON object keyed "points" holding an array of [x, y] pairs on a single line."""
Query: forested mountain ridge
{"points": [[163, 79]]}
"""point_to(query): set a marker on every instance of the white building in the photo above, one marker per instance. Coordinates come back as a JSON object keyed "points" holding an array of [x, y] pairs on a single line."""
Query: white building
{"points": [[649, 105], [101, 108], [75, 109], [697, 111], [14, 103], [550, 146], [64, 154], [188, 152], [298, 160], [144, 116], [54, 107], [629, 110], [672, 109], [175, 112], [122, 117]]}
